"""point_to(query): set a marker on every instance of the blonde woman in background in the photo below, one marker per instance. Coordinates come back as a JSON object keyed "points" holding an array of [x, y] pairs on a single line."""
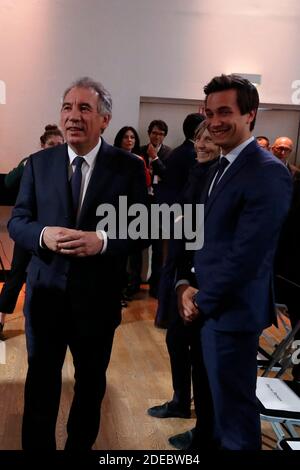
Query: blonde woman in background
{"points": [[180, 341]]}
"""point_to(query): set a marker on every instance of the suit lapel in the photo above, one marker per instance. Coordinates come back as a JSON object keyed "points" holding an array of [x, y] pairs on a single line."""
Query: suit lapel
{"points": [[207, 182], [234, 168], [61, 179]]}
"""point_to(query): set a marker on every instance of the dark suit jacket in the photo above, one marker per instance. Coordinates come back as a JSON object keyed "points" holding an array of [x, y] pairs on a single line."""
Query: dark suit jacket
{"points": [[44, 200], [162, 154], [157, 168], [176, 173], [243, 217]]}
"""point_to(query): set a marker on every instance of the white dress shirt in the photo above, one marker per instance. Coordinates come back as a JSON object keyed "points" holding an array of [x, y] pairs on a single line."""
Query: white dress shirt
{"points": [[86, 170], [231, 157]]}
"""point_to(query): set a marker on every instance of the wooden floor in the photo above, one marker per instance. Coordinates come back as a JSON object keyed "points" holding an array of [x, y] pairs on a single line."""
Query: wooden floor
{"points": [[138, 378]]}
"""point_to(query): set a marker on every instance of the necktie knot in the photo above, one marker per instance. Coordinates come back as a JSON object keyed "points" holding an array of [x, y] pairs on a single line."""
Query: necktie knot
{"points": [[223, 162], [76, 183], [78, 161]]}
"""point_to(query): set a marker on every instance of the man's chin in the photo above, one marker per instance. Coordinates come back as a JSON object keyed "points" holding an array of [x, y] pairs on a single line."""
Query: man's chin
{"points": [[74, 140], [75, 144]]}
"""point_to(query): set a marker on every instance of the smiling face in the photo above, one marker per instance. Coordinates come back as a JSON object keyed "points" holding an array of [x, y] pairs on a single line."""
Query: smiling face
{"points": [[80, 120], [205, 148], [227, 126]]}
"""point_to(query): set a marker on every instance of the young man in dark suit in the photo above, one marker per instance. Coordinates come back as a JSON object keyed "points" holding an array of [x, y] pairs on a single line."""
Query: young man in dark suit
{"points": [[74, 278], [233, 301], [155, 154]]}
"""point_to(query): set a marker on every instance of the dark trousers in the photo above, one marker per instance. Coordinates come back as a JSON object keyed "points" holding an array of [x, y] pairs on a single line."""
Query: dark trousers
{"points": [[178, 341], [184, 351], [135, 262], [15, 280], [165, 307], [227, 412], [47, 342], [156, 266]]}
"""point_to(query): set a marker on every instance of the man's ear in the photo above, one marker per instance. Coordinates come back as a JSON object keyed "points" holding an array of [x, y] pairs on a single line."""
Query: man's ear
{"points": [[252, 115], [105, 121]]}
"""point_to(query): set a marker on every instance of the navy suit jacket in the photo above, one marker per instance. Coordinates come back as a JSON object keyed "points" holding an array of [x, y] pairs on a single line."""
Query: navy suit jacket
{"points": [[243, 217], [177, 170], [44, 200], [163, 154]]}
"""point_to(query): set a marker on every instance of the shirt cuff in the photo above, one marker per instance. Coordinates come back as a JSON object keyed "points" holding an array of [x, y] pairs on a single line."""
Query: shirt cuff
{"points": [[182, 282], [41, 242], [105, 240]]}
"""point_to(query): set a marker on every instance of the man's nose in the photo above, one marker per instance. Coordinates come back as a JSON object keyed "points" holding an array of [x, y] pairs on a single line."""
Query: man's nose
{"points": [[74, 114], [214, 121]]}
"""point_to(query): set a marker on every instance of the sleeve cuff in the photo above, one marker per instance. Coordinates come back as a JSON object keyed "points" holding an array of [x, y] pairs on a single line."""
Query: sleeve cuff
{"points": [[105, 240], [182, 282], [41, 242]]}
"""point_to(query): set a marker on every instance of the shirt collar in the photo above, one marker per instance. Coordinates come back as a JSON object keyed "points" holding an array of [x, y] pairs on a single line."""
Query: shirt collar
{"points": [[89, 157], [234, 153]]}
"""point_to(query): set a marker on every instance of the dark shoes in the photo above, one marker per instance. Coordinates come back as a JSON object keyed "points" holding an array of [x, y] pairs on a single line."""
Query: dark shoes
{"points": [[182, 441], [168, 410]]}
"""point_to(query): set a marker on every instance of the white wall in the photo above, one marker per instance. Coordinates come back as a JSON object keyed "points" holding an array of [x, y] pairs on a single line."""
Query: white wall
{"points": [[160, 48], [270, 122]]}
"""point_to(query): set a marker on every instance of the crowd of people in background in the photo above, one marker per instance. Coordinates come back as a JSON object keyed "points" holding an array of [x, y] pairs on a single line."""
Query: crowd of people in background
{"points": [[204, 314], [165, 178]]}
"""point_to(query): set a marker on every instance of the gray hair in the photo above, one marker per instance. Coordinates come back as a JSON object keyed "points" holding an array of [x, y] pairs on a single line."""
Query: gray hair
{"points": [[104, 97]]}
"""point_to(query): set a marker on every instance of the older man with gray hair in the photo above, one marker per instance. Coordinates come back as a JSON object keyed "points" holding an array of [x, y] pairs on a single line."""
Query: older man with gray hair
{"points": [[282, 148], [74, 278]]}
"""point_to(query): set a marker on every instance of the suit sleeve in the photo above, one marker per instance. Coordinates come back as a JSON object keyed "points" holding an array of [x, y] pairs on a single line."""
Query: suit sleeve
{"points": [[137, 195], [265, 206], [22, 226], [158, 167]]}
